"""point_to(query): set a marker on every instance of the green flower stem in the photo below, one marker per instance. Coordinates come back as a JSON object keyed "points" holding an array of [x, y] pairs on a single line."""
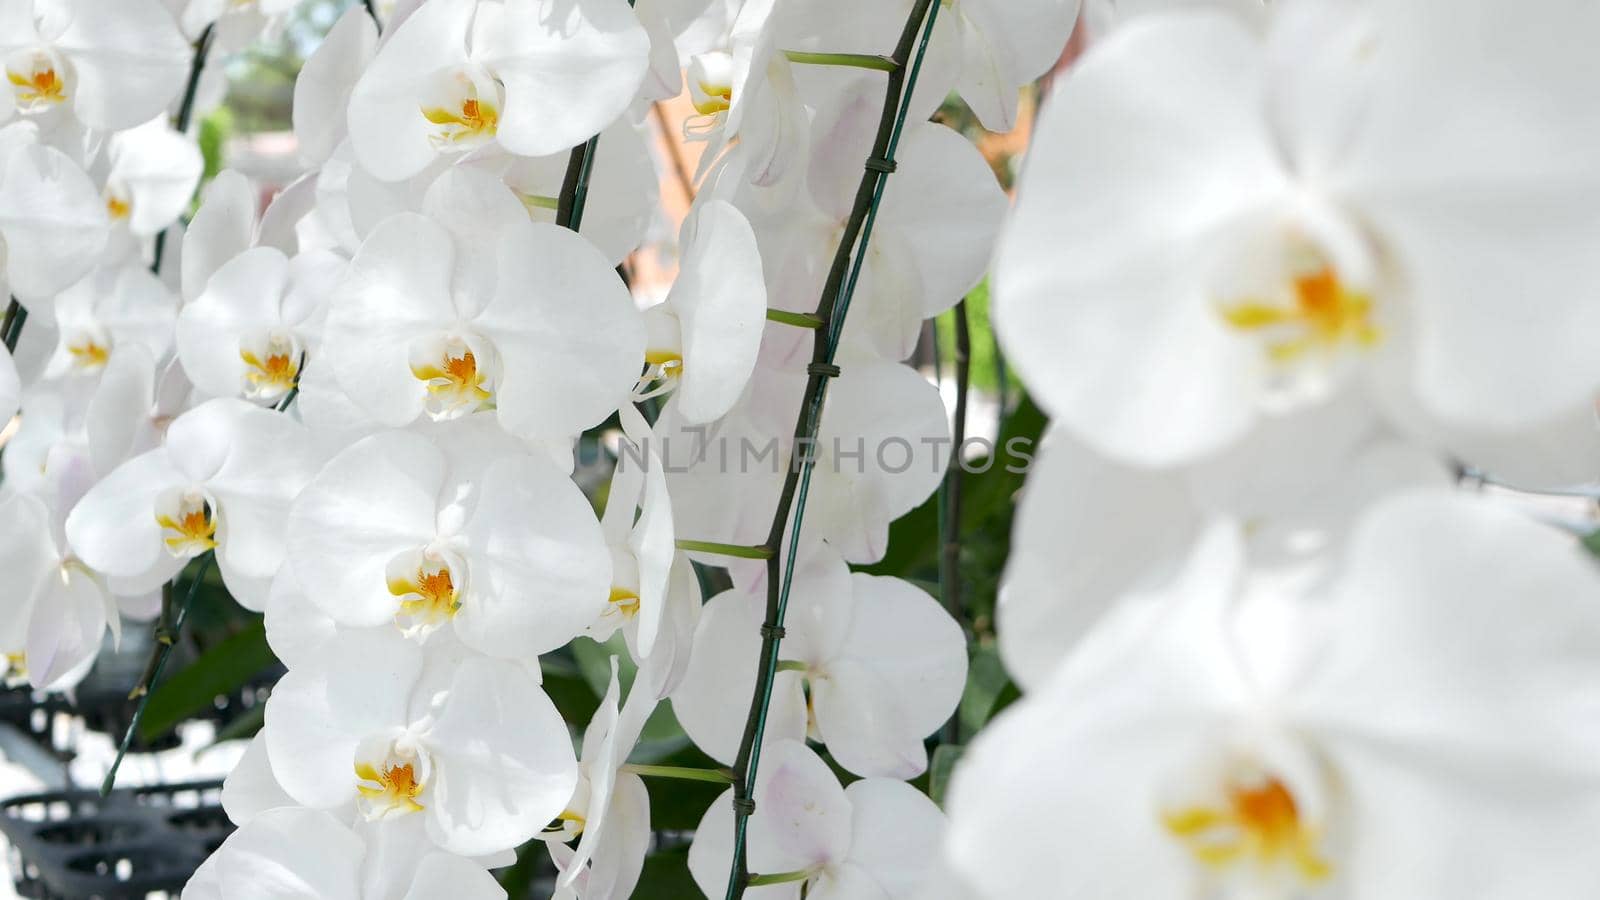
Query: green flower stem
{"points": [[534, 201], [738, 551], [791, 665], [950, 493], [166, 638], [850, 60], [180, 123], [683, 773], [832, 308], [575, 186], [11, 328], [780, 878], [798, 320]]}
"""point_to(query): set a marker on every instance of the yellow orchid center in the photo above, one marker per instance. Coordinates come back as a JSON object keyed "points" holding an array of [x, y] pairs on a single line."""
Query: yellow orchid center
{"points": [[392, 788], [625, 601], [713, 98], [666, 359], [89, 354], [1324, 314], [1260, 823], [41, 86], [118, 208], [430, 596], [569, 824], [275, 374], [711, 77], [189, 530], [471, 120], [454, 379]]}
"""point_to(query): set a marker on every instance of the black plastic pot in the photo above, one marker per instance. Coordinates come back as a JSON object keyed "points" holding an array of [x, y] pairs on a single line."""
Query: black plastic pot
{"points": [[75, 845]]}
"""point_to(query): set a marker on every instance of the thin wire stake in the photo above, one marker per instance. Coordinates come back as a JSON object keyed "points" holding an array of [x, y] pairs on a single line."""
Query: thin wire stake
{"points": [[180, 123], [832, 307], [166, 638]]}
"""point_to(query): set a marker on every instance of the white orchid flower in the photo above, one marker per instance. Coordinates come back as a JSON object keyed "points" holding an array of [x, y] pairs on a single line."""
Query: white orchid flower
{"points": [[870, 667], [478, 308], [307, 854], [1305, 213], [53, 221], [59, 609], [322, 90], [237, 23], [1090, 530], [624, 194], [664, 78], [655, 596], [222, 479], [230, 221], [610, 810], [111, 308], [702, 341], [1248, 736], [881, 450], [151, 173], [873, 840], [985, 50], [1100, 17], [931, 245], [10, 386], [109, 64], [257, 323], [457, 527], [251, 789], [638, 530], [473, 745], [534, 76], [745, 93]]}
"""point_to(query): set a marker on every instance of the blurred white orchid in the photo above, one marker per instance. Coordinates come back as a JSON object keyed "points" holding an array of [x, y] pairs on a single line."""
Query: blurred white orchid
{"points": [[1256, 735], [1353, 201]]}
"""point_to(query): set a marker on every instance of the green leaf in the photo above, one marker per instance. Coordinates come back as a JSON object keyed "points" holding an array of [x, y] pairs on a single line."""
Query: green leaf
{"points": [[986, 681], [666, 877], [219, 671], [567, 689], [943, 764], [662, 733], [1592, 541], [594, 662], [677, 804]]}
